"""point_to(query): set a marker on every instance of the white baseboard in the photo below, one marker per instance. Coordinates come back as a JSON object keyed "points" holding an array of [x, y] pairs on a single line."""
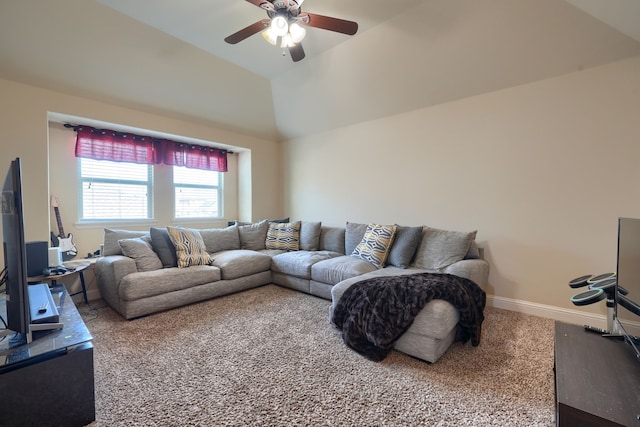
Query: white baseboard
{"points": [[556, 313]]}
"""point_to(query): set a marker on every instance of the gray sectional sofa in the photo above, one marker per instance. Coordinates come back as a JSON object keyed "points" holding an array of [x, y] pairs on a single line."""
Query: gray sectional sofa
{"points": [[142, 272]]}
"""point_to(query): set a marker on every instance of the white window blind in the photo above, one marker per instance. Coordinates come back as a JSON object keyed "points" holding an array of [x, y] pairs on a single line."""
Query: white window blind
{"points": [[197, 193], [114, 190]]}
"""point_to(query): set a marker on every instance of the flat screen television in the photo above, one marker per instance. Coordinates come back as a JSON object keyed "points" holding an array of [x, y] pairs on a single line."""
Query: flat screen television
{"points": [[627, 295], [14, 249]]}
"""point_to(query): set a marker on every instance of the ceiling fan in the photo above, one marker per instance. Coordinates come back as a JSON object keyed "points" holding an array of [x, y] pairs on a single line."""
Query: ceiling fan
{"points": [[285, 26]]}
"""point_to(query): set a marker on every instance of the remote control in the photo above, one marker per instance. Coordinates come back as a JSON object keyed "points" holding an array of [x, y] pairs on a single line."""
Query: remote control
{"points": [[43, 308], [614, 336], [594, 329]]}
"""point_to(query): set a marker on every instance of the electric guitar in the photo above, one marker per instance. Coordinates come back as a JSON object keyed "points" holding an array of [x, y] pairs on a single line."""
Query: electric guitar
{"points": [[63, 241]]}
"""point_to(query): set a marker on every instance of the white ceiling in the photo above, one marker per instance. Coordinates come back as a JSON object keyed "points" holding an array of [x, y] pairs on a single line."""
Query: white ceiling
{"points": [[169, 56], [205, 23]]}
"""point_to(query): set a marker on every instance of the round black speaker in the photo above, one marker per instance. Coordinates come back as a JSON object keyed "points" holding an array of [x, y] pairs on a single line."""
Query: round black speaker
{"points": [[579, 282], [588, 297]]}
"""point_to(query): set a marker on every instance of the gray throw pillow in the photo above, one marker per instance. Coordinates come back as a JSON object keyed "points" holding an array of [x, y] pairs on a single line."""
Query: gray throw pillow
{"points": [[162, 245], [280, 220], [474, 251], [310, 235], [221, 239], [332, 239], [140, 250], [111, 238], [253, 236], [354, 233], [441, 248], [405, 244]]}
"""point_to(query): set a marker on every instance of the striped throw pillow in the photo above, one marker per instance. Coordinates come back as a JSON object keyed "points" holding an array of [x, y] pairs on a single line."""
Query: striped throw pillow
{"points": [[283, 236], [375, 244], [190, 248]]}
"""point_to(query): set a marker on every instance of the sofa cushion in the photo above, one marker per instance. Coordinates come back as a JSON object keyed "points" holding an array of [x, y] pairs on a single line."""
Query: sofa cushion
{"points": [[332, 239], [404, 247], [111, 237], [272, 252], [221, 239], [253, 236], [354, 232], [283, 236], [146, 284], [337, 269], [441, 248], [310, 235], [163, 246], [240, 263], [298, 263], [190, 249], [375, 244], [140, 250]]}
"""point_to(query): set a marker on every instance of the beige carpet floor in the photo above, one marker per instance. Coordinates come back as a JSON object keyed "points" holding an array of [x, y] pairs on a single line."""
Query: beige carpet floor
{"points": [[269, 357]]}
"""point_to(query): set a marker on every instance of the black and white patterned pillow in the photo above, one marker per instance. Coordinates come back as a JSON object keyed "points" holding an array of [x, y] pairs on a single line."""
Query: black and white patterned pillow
{"points": [[375, 244], [190, 248], [283, 236]]}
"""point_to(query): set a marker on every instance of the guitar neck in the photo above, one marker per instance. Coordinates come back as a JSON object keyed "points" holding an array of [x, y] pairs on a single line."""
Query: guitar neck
{"points": [[59, 221]]}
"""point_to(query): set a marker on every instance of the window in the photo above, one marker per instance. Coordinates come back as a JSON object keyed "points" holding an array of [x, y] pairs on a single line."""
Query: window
{"points": [[114, 190], [197, 193]]}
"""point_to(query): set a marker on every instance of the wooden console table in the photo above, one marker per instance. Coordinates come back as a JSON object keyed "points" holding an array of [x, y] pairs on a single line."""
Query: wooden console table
{"points": [[597, 380], [49, 381]]}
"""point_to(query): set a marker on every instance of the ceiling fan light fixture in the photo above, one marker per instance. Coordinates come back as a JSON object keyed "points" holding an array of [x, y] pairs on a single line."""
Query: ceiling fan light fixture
{"points": [[297, 32], [279, 25], [270, 36], [287, 41], [286, 25]]}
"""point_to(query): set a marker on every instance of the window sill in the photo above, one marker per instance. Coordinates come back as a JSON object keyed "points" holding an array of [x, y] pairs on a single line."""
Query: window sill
{"points": [[116, 223]]}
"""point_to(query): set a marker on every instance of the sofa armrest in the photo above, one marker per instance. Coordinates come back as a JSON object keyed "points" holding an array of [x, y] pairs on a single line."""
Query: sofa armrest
{"points": [[109, 272], [476, 270]]}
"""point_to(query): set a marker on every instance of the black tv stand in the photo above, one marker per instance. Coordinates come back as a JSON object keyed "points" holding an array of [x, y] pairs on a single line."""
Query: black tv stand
{"points": [[597, 380], [49, 381]]}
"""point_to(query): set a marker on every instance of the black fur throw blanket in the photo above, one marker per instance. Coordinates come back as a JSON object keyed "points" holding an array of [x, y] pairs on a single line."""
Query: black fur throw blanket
{"points": [[374, 313]]}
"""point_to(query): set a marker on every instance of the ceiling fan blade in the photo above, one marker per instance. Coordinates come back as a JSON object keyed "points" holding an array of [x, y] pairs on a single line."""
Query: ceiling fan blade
{"points": [[256, 27], [264, 4], [296, 52], [328, 23]]}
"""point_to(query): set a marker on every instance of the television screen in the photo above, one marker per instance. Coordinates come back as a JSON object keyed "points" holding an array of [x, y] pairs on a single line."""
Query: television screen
{"points": [[627, 308], [14, 250]]}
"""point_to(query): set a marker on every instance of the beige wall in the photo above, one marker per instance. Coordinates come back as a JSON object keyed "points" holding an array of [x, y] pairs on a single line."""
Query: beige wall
{"points": [[25, 131], [541, 170]]}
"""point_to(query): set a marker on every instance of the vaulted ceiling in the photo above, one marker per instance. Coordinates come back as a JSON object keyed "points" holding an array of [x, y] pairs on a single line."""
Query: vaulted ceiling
{"points": [[169, 56]]}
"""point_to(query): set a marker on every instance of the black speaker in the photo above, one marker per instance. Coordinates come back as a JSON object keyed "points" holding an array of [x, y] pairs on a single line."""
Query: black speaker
{"points": [[37, 258]]}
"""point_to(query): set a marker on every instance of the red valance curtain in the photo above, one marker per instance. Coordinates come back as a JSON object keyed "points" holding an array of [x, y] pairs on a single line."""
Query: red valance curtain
{"points": [[194, 156], [104, 144]]}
